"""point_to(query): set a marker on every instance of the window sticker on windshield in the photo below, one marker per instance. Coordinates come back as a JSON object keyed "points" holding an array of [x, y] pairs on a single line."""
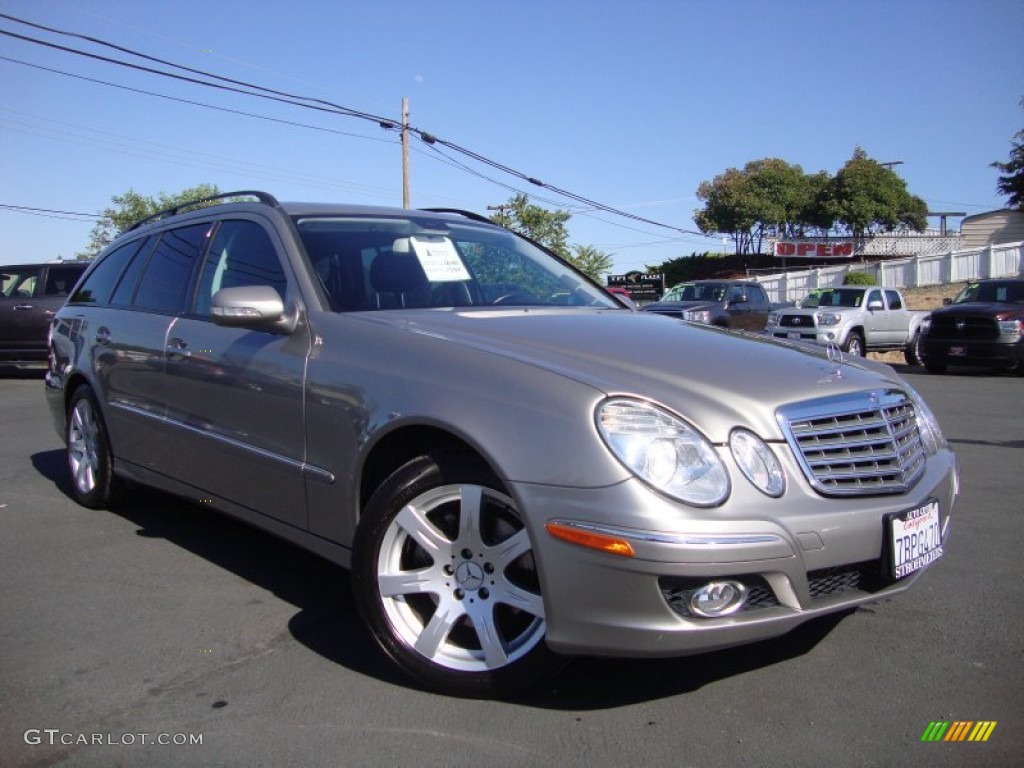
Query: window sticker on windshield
{"points": [[439, 259]]}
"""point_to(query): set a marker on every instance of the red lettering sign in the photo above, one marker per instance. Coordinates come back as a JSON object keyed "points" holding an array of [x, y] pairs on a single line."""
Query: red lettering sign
{"points": [[815, 250]]}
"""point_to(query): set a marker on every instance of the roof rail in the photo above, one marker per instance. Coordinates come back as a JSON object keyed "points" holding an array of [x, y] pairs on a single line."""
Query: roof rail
{"points": [[263, 197], [467, 214]]}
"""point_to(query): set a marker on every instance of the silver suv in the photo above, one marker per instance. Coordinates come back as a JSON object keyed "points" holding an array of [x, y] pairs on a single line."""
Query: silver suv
{"points": [[515, 467]]}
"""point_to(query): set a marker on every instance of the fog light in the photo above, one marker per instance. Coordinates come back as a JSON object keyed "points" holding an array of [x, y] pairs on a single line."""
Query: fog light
{"points": [[718, 598]]}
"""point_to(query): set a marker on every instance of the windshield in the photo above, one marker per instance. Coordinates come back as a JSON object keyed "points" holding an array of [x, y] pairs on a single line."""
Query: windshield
{"points": [[840, 297], [999, 293], [367, 263], [695, 292]]}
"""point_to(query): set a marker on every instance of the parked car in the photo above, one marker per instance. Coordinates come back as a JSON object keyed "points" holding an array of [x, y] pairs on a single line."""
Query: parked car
{"points": [[740, 304], [506, 492], [857, 319], [30, 295], [983, 325]]}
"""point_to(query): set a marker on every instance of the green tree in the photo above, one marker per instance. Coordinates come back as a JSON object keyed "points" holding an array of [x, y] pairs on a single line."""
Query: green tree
{"points": [[768, 198], [132, 207], [867, 198], [590, 261], [539, 224], [1011, 182]]}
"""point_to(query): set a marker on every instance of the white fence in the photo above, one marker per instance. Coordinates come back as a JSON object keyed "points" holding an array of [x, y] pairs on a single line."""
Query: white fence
{"points": [[1003, 260]]}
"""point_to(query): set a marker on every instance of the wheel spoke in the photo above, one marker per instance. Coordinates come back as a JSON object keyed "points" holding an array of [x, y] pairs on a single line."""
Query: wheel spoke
{"points": [[415, 523], [469, 515], [439, 627], [490, 639], [517, 597], [407, 583], [511, 548]]}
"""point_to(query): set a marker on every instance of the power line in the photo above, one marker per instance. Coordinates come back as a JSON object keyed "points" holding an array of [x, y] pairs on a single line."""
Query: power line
{"points": [[47, 212], [313, 103], [198, 103]]}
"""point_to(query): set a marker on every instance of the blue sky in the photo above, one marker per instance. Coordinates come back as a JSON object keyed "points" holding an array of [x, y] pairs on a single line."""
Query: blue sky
{"points": [[629, 104]]}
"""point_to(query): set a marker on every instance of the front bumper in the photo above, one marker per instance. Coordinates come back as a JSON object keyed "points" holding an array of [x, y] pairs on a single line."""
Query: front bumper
{"points": [[995, 352], [813, 335], [802, 555]]}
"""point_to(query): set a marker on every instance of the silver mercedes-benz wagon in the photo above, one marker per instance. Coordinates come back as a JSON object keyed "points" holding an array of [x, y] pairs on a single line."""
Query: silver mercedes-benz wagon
{"points": [[516, 467]]}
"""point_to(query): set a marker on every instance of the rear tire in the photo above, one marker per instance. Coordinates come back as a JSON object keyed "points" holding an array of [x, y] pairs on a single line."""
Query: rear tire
{"points": [[90, 460], [443, 573]]}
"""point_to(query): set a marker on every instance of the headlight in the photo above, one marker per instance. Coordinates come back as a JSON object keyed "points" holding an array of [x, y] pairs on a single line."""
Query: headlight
{"points": [[698, 316], [927, 424], [773, 319], [1010, 327], [663, 451], [757, 462], [828, 318]]}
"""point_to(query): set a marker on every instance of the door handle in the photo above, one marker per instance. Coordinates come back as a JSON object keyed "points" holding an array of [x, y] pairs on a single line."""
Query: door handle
{"points": [[22, 307], [178, 348]]}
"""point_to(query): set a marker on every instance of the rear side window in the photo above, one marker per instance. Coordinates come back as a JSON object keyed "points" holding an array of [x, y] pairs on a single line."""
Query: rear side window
{"points": [[894, 300], [164, 285], [99, 285], [60, 280], [19, 282], [241, 253]]}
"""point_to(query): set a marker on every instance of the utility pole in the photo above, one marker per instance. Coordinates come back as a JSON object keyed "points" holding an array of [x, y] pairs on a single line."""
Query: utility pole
{"points": [[502, 213], [405, 152]]}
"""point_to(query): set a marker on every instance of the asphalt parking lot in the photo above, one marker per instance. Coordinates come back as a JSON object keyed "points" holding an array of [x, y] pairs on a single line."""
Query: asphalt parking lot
{"points": [[166, 622]]}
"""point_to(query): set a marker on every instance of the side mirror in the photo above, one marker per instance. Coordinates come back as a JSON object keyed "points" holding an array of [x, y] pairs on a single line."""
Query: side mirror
{"points": [[257, 307], [876, 304], [741, 299], [947, 301]]}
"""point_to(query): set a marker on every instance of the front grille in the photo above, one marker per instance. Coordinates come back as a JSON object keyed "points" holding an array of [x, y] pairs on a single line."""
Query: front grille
{"points": [[856, 445], [859, 577], [963, 327], [797, 321]]}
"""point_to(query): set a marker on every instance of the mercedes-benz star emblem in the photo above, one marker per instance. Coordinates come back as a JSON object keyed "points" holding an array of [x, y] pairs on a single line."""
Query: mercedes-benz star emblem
{"points": [[835, 356]]}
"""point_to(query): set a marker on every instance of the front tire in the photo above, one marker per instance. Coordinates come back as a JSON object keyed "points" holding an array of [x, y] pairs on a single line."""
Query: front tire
{"points": [[912, 351], [90, 460], [854, 345], [444, 575]]}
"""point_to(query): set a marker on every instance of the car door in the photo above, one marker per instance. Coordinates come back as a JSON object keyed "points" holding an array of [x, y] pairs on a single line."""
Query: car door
{"points": [[234, 396], [740, 315], [129, 337], [876, 321], [18, 308], [898, 320]]}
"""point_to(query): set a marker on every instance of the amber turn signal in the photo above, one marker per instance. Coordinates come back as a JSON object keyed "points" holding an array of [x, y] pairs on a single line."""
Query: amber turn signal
{"points": [[599, 541]]}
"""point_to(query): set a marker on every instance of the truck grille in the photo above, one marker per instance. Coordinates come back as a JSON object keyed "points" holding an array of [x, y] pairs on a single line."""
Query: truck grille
{"points": [[797, 321], [856, 445], [963, 327]]}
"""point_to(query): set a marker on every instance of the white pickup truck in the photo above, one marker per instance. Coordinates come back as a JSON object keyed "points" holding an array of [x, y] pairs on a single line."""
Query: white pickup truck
{"points": [[858, 319]]}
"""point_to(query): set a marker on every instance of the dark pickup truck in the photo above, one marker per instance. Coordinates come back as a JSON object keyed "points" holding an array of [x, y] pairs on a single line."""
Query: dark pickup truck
{"points": [[984, 325], [738, 304]]}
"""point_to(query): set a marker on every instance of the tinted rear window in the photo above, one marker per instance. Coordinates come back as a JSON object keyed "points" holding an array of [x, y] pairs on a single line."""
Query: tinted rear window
{"points": [[101, 281], [164, 284]]}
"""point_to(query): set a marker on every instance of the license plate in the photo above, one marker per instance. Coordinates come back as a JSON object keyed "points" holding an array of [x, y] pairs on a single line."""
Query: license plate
{"points": [[958, 351], [916, 538], [792, 335]]}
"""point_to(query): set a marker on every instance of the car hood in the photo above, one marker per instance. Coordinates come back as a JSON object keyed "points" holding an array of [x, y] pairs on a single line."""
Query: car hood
{"points": [[716, 379], [1003, 311]]}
